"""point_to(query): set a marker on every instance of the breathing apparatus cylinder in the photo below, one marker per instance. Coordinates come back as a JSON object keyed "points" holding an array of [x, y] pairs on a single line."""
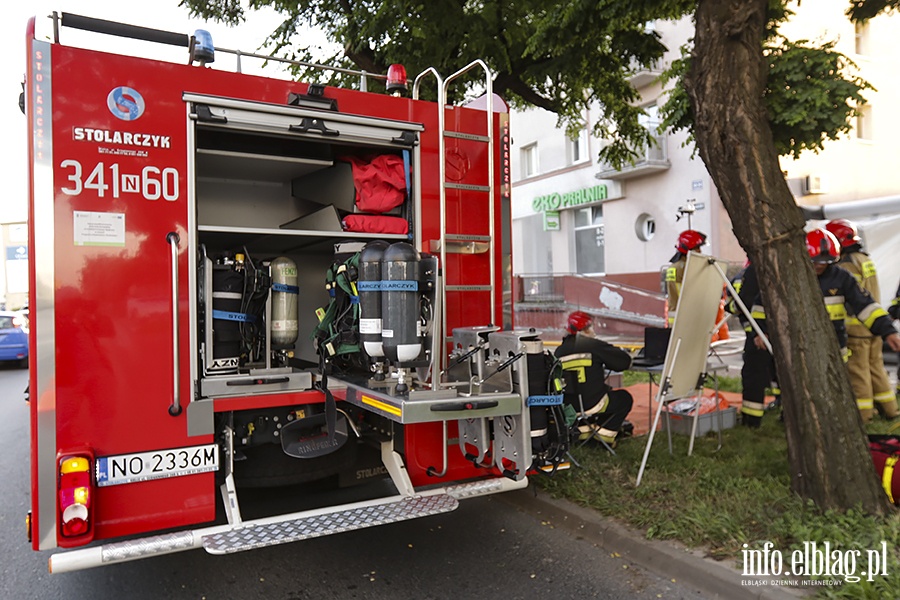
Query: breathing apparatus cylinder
{"points": [[538, 375], [227, 293], [284, 301], [370, 297], [400, 332]]}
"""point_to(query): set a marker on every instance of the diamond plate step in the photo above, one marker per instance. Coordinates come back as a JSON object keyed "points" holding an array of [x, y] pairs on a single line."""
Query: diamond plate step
{"points": [[269, 534]]}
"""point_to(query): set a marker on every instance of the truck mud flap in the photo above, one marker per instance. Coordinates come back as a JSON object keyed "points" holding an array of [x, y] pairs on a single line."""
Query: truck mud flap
{"points": [[270, 534]]}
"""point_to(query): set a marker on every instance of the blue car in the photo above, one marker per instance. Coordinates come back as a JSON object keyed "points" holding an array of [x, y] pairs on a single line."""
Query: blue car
{"points": [[14, 338]]}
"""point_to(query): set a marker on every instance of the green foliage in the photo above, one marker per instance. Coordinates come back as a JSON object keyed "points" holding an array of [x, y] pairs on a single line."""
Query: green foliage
{"points": [[719, 500], [560, 56], [863, 10], [810, 96]]}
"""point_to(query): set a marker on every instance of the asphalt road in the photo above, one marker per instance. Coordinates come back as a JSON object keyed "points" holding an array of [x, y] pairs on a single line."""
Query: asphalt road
{"points": [[485, 549]]}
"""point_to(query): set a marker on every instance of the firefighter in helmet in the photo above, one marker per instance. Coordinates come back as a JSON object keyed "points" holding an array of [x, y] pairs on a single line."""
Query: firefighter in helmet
{"points": [[871, 383], [689, 239], [758, 366], [585, 359], [842, 293]]}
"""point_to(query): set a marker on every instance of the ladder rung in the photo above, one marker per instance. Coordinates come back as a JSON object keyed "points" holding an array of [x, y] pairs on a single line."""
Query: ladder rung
{"points": [[468, 288], [461, 237], [466, 186], [466, 136]]}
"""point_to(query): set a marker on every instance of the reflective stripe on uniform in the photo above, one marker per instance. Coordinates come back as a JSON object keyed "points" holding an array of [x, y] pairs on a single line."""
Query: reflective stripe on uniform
{"points": [[599, 407], [670, 274], [577, 363], [754, 409], [835, 307], [865, 403], [868, 315], [885, 397]]}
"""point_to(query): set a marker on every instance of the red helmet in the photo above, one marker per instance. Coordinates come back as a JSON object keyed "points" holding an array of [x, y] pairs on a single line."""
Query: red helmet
{"points": [[822, 246], [579, 321], [844, 231], [690, 239]]}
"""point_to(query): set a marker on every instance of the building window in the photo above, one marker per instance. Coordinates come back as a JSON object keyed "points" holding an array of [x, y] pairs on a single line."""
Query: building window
{"points": [[529, 160], [589, 242], [578, 148], [862, 38], [864, 129]]}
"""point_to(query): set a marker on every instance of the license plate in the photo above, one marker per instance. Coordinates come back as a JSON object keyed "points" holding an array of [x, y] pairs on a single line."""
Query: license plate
{"points": [[161, 464]]}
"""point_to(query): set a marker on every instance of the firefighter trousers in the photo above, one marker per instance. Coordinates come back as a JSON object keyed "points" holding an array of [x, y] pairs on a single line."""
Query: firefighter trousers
{"points": [[757, 374], [871, 385]]}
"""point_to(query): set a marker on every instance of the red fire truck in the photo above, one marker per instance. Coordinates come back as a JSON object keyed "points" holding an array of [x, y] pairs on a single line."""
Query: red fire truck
{"points": [[242, 282]]}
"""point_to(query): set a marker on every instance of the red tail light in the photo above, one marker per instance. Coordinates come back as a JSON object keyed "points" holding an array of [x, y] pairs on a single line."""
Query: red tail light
{"points": [[75, 495], [396, 80]]}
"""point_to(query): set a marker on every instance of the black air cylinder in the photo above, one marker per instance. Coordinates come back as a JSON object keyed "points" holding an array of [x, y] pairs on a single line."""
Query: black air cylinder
{"points": [[400, 303]]}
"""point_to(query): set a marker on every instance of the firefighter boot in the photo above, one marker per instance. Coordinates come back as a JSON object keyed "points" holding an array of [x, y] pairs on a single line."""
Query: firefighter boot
{"points": [[866, 414], [887, 409]]}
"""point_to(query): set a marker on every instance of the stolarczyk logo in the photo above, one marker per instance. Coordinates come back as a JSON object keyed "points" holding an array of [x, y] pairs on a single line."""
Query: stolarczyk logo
{"points": [[126, 103], [813, 564]]}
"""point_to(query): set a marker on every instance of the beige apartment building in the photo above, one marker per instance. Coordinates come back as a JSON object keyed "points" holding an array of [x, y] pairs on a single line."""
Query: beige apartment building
{"points": [[573, 215]]}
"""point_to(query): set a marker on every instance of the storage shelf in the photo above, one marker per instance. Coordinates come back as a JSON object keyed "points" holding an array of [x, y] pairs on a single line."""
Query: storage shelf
{"points": [[282, 240], [227, 164]]}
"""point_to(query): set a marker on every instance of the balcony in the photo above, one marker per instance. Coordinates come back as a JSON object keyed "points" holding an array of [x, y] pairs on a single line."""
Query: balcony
{"points": [[650, 159], [643, 75]]}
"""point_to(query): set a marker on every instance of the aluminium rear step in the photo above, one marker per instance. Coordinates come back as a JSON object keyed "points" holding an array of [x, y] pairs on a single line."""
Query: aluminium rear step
{"points": [[223, 539]]}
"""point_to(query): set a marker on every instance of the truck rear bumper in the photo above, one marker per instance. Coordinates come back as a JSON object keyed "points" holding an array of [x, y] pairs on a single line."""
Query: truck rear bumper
{"points": [[247, 535]]}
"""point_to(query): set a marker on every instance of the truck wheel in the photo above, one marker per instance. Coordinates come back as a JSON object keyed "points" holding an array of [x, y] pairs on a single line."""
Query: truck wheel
{"points": [[268, 466]]}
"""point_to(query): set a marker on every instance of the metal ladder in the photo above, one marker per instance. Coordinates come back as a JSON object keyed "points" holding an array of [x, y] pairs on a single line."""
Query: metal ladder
{"points": [[460, 242]]}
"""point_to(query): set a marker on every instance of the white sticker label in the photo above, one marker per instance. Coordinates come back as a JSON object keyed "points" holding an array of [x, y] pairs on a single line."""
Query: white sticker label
{"points": [[370, 325], [99, 229], [388, 333]]}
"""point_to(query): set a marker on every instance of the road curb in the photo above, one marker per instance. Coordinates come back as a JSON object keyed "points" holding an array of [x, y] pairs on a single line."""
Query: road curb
{"points": [[715, 580]]}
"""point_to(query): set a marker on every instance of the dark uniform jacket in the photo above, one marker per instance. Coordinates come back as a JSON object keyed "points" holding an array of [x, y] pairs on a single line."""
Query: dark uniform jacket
{"points": [[840, 288], [586, 359]]}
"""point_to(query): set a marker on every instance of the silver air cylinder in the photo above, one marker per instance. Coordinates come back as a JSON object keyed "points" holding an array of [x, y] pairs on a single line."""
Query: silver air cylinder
{"points": [[370, 297], [284, 301], [400, 303]]}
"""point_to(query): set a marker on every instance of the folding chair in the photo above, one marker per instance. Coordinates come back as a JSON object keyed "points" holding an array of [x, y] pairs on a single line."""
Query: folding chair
{"points": [[584, 424]]}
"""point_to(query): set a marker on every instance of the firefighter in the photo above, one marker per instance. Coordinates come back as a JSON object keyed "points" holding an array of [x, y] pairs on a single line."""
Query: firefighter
{"points": [[842, 292], [688, 240], [758, 369], [870, 380], [584, 359]]}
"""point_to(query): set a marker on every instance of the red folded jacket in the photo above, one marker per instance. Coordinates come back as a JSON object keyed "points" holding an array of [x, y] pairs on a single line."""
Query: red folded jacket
{"points": [[375, 224]]}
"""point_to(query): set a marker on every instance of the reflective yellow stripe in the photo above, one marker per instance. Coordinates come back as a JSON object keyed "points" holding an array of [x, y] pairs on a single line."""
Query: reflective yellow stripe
{"points": [[887, 476], [670, 274], [885, 397], [754, 409], [865, 403], [870, 313], [381, 406], [671, 319], [853, 321], [599, 407], [836, 312], [578, 363]]}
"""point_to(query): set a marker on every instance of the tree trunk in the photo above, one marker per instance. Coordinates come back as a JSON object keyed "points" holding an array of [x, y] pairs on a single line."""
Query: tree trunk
{"points": [[829, 460]]}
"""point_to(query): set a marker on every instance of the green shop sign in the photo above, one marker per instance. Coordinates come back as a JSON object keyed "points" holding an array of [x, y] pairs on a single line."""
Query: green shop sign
{"points": [[556, 201]]}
